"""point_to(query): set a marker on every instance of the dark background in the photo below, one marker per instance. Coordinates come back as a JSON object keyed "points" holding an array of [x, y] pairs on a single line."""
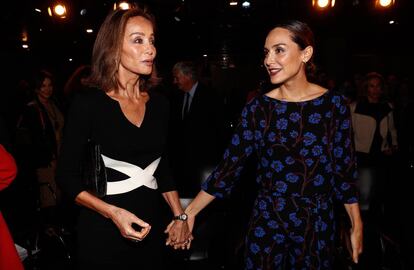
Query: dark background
{"points": [[353, 37]]}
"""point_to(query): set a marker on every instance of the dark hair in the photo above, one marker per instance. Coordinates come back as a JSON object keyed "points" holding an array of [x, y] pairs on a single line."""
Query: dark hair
{"points": [[107, 48], [39, 77], [302, 35]]}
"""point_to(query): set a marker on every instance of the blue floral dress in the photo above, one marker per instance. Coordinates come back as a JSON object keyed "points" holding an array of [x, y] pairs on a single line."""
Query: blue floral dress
{"points": [[306, 159]]}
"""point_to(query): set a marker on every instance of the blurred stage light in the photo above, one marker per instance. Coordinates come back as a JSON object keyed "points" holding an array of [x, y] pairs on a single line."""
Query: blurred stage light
{"points": [[323, 4]]}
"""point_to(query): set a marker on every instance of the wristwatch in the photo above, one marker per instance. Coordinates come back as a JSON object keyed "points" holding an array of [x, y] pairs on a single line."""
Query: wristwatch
{"points": [[182, 217]]}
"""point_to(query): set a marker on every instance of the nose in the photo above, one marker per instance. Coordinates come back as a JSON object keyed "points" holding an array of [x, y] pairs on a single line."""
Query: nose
{"points": [[150, 50], [268, 59]]}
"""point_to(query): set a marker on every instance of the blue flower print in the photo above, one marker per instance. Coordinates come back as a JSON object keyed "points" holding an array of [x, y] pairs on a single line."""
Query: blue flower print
{"points": [[337, 101], [321, 244], [294, 117], [318, 180], [325, 140], [347, 142], [253, 107], [278, 259], [269, 175], [317, 150], [226, 154], [280, 108], [279, 238], [328, 168], [347, 160], [281, 186], [292, 178], [248, 150], [323, 159], [221, 184], [270, 151], [328, 114], [244, 113], [309, 162], [262, 205], [345, 186], [297, 238], [342, 109], [271, 137], [272, 224], [309, 138], [254, 248], [294, 134], [259, 232], [338, 137], [235, 140], [289, 160], [338, 151], [257, 135], [294, 219], [345, 124], [277, 165], [247, 135], [267, 250], [315, 118], [264, 162], [265, 215], [317, 101], [249, 263], [262, 123], [280, 204], [304, 152], [244, 123], [281, 123]]}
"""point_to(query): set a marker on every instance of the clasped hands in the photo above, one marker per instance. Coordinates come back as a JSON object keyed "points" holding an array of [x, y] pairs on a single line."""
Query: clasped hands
{"points": [[179, 233]]}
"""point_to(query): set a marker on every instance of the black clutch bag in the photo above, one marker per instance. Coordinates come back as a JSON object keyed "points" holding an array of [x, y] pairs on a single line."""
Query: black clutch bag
{"points": [[93, 172]]}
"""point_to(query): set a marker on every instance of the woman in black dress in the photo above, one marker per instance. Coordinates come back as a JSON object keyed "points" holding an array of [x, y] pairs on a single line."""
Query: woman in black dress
{"points": [[123, 229]]}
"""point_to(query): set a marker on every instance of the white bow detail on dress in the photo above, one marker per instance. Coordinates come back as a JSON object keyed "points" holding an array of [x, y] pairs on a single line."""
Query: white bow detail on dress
{"points": [[137, 176]]}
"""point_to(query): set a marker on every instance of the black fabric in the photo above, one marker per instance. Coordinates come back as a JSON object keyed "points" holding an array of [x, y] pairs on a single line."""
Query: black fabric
{"points": [[95, 115], [196, 141]]}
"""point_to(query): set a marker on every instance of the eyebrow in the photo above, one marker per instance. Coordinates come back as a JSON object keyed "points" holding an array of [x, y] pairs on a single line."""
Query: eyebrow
{"points": [[276, 45], [140, 33]]}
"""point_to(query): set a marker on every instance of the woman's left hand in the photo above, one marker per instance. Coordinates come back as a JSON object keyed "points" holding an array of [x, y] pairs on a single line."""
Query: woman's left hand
{"points": [[356, 241], [179, 235]]}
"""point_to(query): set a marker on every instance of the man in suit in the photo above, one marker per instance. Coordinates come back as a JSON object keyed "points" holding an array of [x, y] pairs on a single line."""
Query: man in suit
{"points": [[196, 129]]}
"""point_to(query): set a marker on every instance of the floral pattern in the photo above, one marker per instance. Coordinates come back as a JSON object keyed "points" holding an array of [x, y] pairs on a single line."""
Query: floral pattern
{"points": [[306, 159]]}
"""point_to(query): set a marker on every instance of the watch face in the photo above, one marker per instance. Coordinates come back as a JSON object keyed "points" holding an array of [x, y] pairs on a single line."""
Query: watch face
{"points": [[183, 217]]}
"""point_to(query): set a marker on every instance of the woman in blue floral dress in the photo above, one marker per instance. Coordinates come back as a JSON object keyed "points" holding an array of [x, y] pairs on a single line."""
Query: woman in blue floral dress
{"points": [[302, 136]]}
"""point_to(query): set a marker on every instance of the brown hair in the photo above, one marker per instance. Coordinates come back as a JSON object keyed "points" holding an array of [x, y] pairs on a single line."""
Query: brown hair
{"points": [[107, 48], [302, 35]]}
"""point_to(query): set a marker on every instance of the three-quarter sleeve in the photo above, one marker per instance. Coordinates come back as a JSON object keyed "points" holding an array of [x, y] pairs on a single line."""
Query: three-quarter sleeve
{"points": [[221, 181], [345, 173], [76, 133], [164, 176]]}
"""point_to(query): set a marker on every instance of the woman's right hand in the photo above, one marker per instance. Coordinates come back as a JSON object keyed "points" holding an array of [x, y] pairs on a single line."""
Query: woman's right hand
{"points": [[124, 219]]}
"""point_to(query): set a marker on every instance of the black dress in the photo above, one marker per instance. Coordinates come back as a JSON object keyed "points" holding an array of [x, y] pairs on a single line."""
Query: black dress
{"points": [[95, 115]]}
